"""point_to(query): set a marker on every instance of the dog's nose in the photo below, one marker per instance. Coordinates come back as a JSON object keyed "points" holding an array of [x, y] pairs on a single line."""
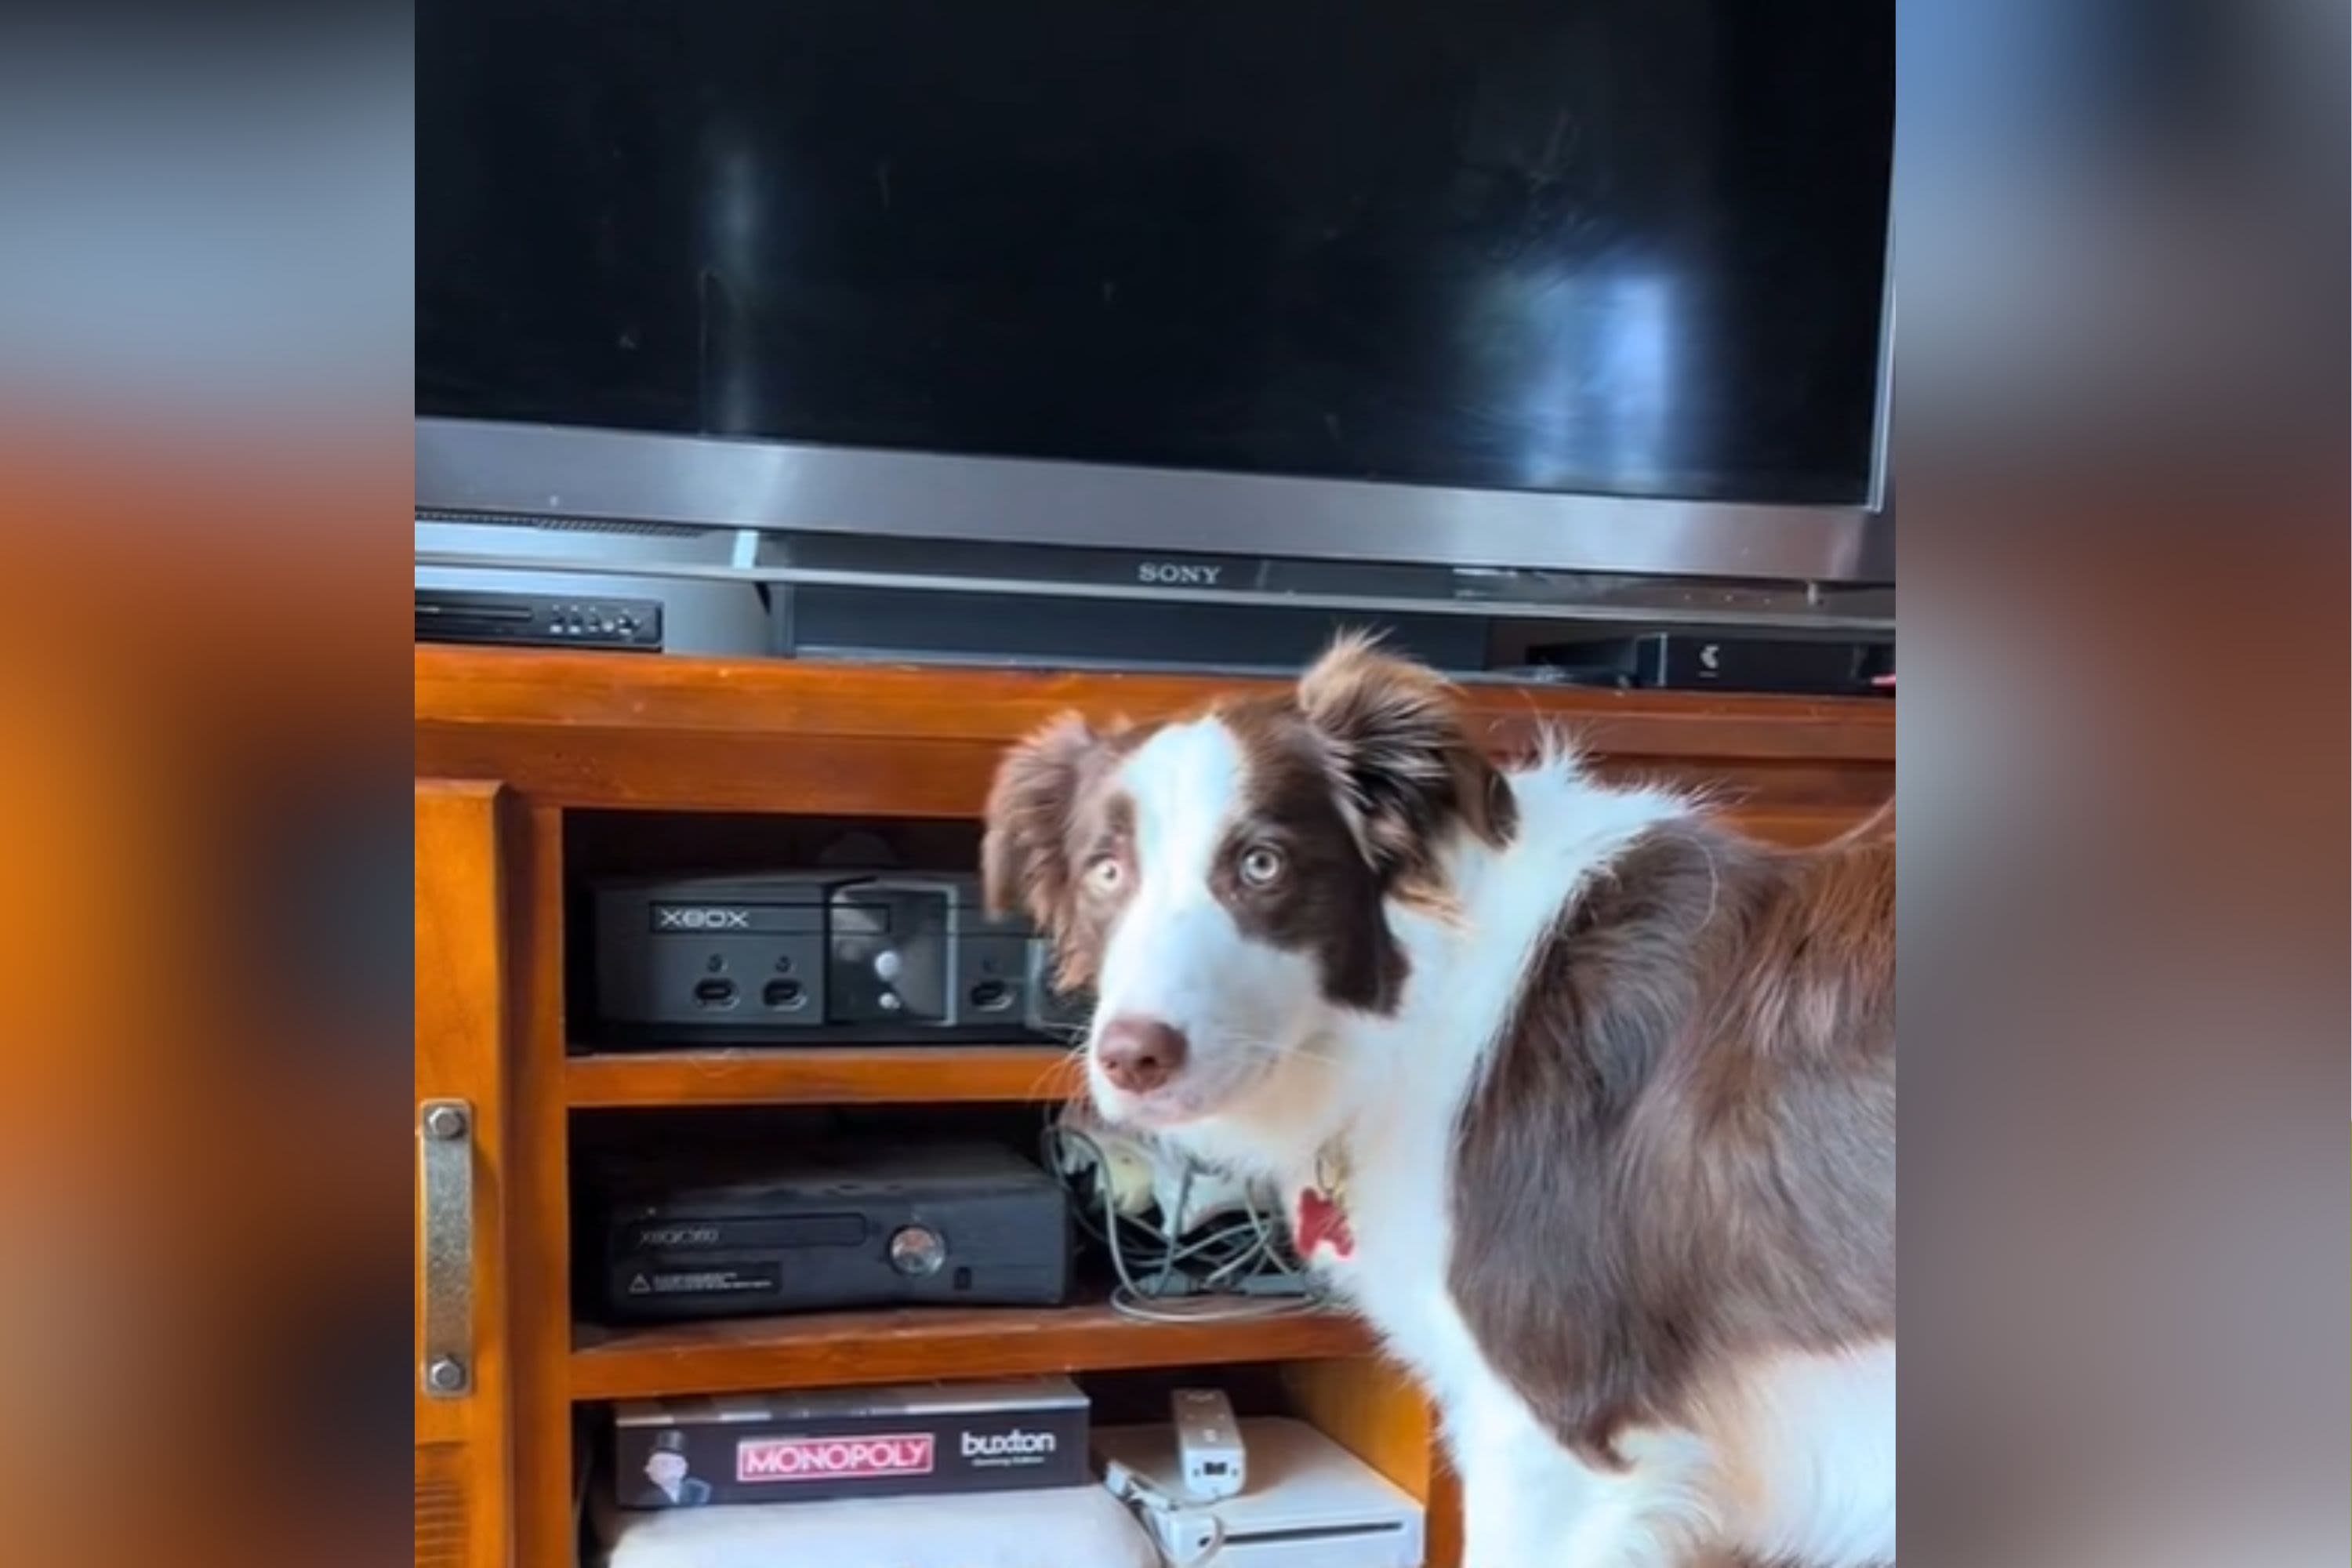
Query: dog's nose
{"points": [[1138, 1055]]}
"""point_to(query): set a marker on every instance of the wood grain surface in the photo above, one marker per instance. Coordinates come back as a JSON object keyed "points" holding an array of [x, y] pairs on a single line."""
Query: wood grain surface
{"points": [[585, 729], [825, 1350], [464, 1492], [822, 1075]]}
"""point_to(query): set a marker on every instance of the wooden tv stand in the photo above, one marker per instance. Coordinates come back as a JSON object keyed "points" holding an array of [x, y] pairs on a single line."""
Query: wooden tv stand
{"points": [[512, 748]]}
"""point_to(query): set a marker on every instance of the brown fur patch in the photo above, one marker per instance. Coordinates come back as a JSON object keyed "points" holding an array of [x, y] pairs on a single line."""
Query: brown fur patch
{"points": [[1406, 773], [1363, 775], [1683, 1151], [1328, 900], [1051, 810]]}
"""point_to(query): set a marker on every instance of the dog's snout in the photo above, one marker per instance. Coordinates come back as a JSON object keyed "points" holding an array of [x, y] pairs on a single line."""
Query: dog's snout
{"points": [[1138, 1055]]}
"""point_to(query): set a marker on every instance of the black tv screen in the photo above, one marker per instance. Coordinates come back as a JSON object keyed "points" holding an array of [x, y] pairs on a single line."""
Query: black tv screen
{"points": [[1625, 248]]}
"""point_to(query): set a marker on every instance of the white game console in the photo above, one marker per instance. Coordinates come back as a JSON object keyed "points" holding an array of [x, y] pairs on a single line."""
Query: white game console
{"points": [[1306, 1503]]}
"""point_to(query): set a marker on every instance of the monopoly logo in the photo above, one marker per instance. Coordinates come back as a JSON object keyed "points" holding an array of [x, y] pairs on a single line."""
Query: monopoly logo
{"points": [[832, 1459]]}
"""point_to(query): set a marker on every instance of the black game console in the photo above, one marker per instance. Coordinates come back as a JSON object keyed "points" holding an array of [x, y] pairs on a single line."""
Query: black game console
{"points": [[726, 1235], [807, 958]]}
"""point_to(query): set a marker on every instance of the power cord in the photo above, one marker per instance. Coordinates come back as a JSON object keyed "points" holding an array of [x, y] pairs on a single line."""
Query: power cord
{"points": [[1188, 1535], [1238, 1267]]}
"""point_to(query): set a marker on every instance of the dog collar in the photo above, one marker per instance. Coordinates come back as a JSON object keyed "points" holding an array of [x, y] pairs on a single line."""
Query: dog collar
{"points": [[1323, 1208]]}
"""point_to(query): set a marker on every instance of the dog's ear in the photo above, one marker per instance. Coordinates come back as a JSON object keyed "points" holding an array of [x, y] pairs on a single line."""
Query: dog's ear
{"points": [[1025, 856], [1407, 773]]}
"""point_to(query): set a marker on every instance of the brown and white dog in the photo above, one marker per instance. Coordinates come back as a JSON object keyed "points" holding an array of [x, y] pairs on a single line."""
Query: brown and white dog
{"points": [[1589, 1102]]}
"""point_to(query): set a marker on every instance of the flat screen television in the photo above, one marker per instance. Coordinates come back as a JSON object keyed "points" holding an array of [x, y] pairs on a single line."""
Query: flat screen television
{"points": [[1586, 285]]}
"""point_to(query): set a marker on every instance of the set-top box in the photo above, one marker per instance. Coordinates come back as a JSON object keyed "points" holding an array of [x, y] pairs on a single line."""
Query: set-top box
{"points": [[807, 957]]}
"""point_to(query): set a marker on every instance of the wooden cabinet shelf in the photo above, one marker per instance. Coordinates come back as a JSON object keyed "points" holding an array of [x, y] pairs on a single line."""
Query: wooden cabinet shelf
{"points": [[540, 771], [778, 735], [820, 1075], [825, 1349]]}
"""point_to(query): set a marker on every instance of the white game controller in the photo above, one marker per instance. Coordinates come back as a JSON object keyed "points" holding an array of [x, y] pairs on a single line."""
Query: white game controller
{"points": [[1210, 1458]]}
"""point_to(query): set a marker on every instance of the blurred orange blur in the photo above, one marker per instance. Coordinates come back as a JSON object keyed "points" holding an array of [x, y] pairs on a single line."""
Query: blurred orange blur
{"points": [[201, 692]]}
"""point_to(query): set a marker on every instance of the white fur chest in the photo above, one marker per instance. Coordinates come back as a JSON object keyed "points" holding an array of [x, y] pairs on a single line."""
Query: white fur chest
{"points": [[1390, 1090], [1419, 1068], [1397, 1200]]}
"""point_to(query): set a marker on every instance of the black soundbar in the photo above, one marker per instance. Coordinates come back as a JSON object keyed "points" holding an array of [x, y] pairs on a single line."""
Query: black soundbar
{"points": [[1699, 661]]}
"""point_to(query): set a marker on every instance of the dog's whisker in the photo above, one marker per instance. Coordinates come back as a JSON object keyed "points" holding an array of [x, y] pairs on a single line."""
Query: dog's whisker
{"points": [[1073, 1057], [1276, 1048]]}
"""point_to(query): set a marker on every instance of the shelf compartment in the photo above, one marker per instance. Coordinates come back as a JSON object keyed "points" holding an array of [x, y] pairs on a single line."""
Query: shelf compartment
{"points": [[822, 1075], [830, 1350]]}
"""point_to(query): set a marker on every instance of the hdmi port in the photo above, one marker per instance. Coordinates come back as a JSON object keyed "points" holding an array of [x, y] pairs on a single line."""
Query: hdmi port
{"points": [[714, 994]]}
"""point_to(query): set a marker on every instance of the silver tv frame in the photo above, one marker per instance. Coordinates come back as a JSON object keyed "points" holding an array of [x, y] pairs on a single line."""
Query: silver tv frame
{"points": [[480, 467]]}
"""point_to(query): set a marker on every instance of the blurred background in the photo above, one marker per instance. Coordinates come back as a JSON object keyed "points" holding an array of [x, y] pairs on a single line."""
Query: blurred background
{"points": [[2122, 426]]}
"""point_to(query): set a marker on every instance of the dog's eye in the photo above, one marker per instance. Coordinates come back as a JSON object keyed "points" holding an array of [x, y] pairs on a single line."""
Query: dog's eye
{"points": [[1105, 874], [1261, 867]]}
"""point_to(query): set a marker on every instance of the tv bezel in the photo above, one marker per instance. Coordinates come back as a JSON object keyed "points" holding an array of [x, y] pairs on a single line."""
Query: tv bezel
{"points": [[475, 467], [497, 468]]}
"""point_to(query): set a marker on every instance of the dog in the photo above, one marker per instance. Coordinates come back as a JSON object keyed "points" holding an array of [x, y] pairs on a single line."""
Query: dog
{"points": [[1587, 1102]]}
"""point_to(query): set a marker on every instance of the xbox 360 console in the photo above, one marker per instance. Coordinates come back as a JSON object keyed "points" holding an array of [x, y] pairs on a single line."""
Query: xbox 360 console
{"points": [[746, 1231], [815, 957]]}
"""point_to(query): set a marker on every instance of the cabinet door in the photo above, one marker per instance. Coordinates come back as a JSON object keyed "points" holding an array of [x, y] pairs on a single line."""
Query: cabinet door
{"points": [[460, 1378]]}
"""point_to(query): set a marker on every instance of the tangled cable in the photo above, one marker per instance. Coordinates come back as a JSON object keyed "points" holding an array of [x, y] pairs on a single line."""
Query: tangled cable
{"points": [[1236, 1264]]}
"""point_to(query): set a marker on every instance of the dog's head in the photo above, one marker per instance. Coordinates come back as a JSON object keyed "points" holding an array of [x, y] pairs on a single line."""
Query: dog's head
{"points": [[1223, 882]]}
